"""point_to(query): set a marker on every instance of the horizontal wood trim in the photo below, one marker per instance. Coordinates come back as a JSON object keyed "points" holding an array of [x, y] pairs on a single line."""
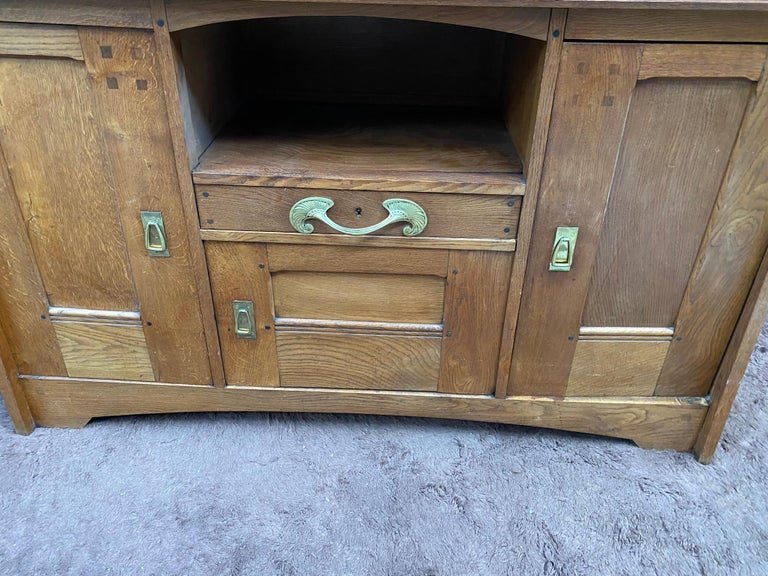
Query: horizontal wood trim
{"points": [[45, 41], [58, 314], [356, 327], [663, 423], [393, 182], [369, 241], [616, 368], [669, 25], [361, 361], [530, 22], [625, 333], [113, 13], [702, 61], [291, 257], [104, 351]]}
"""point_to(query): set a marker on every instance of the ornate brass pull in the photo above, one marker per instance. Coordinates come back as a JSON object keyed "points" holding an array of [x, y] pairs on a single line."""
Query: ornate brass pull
{"points": [[400, 210]]}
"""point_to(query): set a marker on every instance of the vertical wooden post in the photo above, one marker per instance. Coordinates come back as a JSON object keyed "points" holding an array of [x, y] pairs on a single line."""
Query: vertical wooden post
{"points": [[10, 388], [734, 365]]}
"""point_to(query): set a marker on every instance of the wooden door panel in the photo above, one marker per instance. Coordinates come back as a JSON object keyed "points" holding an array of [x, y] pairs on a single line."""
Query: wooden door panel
{"points": [[675, 149], [85, 147], [730, 254], [57, 162], [685, 226], [364, 318]]}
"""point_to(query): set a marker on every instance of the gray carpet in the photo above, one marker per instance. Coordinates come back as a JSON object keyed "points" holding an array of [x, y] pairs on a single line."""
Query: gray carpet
{"points": [[320, 494]]}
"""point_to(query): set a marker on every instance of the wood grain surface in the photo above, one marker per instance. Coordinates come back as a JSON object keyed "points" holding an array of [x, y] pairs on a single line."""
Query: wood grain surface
{"points": [[592, 98], [138, 139], [670, 25], [99, 350], [530, 22], [41, 41], [10, 389], [57, 161], [729, 257], [616, 368], [325, 360], [675, 150], [345, 296], [661, 423], [475, 301], [23, 300], [240, 272], [268, 210]]}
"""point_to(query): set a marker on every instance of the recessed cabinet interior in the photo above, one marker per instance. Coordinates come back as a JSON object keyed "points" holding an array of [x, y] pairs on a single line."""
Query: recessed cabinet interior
{"points": [[521, 214]]}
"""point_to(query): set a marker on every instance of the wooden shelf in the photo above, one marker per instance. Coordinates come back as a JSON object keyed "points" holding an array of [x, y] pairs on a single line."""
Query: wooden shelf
{"points": [[360, 147]]}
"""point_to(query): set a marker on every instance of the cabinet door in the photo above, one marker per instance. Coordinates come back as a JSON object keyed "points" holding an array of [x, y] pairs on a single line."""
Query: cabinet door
{"points": [[657, 154], [303, 316], [85, 147]]}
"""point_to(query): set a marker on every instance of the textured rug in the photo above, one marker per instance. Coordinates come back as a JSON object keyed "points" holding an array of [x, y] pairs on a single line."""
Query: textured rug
{"points": [[295, 494]]}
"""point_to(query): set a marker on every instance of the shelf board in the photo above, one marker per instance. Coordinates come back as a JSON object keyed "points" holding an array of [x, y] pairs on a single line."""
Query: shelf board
{"points": [[366, 148]]}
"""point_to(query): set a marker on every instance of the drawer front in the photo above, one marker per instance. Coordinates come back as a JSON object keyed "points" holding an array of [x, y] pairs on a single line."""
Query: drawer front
{"points": [[358, 317], [471, 216]]}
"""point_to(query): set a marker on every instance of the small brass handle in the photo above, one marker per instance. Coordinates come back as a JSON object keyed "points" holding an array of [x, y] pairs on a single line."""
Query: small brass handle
{"points": [[245, 324], [400, 210], [154, 234], [563, 249]]}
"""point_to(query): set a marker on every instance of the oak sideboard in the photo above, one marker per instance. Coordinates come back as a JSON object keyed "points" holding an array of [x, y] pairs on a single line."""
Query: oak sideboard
{"points": [[542, 213]]}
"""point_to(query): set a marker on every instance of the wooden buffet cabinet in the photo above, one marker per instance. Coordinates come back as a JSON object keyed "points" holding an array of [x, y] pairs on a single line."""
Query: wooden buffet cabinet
{"points": [[547, 213]]}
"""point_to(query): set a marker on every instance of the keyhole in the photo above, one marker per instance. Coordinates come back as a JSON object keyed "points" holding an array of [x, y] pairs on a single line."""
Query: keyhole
{"points": [[359, 211]]}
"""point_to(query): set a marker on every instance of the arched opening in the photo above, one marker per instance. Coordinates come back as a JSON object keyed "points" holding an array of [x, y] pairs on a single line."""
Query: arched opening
{"points": [[338, 97]]}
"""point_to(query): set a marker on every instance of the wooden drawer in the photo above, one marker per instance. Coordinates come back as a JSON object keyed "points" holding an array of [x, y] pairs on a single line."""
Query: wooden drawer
{"points": [[450, 216], [356, 317]]}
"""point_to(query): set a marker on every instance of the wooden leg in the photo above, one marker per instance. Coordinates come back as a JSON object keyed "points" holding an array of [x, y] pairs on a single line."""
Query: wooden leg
{"points": [[13, 395], [734, 365]]}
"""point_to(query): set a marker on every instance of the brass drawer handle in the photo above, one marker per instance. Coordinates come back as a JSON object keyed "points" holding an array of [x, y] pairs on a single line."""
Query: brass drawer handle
{"points": [[400, 210]]}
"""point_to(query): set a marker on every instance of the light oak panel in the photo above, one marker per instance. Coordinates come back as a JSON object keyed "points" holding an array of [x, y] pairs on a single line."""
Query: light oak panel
{"points": [[345, 296], [35, 40], [533, 170], [675, 150], [592, 98], [702, 61], [616, 368], [117, 352], [285, 257], [322, 360], [240, 272], [524, 21], [662, 423], [129, 93], [730, 254], [23, 301], [57, 162], [267, 210], [668, 25], [117, 13], [475, 302], [734, 365]]}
